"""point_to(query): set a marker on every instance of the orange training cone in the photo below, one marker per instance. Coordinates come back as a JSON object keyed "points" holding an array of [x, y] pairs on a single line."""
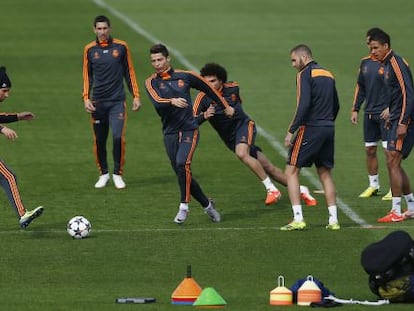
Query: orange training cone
{"points": [[187, 291]]}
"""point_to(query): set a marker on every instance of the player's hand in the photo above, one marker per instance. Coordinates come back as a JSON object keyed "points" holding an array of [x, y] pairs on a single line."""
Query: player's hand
{"points": [[9, 133], [136, 104], [27, 116], [354, 117], [210, 112], [385, 114], [229, 111], [288, 139], [179, 102], [402, 130], [89, 106]]}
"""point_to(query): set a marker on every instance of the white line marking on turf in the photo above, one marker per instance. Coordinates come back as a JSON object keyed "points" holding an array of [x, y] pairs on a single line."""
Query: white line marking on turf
{"points": [[198, 229], [272, 141]]}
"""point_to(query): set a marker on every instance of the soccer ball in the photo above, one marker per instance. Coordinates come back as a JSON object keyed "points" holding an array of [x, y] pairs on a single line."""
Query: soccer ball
{"points": [[78, 227]]}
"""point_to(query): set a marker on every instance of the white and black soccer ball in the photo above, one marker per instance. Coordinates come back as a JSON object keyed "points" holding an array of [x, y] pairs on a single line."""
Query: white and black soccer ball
{"points": [[78, 227]]}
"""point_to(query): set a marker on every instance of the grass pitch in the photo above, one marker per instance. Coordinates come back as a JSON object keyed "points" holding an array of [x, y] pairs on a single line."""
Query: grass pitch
{"points": [[134, 249]]}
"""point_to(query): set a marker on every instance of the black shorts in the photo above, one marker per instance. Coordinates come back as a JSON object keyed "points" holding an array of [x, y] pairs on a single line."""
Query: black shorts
{"points": [[374, 129], [404, 145], [313, 145], [244, 132]]}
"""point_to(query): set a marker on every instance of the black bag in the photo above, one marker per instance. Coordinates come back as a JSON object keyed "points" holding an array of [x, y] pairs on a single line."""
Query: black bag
{"points": [[388, 259]]}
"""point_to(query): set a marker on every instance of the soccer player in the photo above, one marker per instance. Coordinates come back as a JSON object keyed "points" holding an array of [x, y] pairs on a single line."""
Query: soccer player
{"points": [[370, 89], [239, 133], [106, 64], [7, 177], [169, 90], [400, 98], [314, 126]]}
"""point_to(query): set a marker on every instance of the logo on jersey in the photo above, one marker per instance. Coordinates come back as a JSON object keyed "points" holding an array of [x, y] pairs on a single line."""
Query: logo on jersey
{"points": [[387, 75], [115, 53], [188, 140], [180, 83], [96, 55], [381, 71], [364, 69]]}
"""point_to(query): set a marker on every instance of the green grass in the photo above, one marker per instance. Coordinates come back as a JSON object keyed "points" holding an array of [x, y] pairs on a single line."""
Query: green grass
{"points": [[134, 248]]}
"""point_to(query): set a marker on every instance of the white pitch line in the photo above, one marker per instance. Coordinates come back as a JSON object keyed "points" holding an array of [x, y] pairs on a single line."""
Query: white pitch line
{"points": [[161, 230], [205, 229], [271, 140]]}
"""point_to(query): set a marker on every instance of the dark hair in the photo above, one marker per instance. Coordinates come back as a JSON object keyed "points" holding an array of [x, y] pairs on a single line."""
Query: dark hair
{"points": [[159, 48], [101, 19], [380, 36], [213, 69], [373, 30], [302, 48], [4, 78]]}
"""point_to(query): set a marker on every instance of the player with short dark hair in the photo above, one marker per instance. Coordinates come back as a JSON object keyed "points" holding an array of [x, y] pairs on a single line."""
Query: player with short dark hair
{"points": [[169, 91], [7, 178], [400, 98], [314, 128], [107, 63], [370, 90]]}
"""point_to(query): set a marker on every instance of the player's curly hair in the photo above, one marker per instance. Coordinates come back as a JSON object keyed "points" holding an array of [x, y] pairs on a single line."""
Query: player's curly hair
{"points": [[213, 69]]}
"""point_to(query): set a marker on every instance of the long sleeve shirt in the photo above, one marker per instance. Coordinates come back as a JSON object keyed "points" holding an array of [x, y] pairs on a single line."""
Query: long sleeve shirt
{"points": [[317, 98], [370, 87], [224, 125], [161, 88], [105, 66], [8, 117], [399, 82]]}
